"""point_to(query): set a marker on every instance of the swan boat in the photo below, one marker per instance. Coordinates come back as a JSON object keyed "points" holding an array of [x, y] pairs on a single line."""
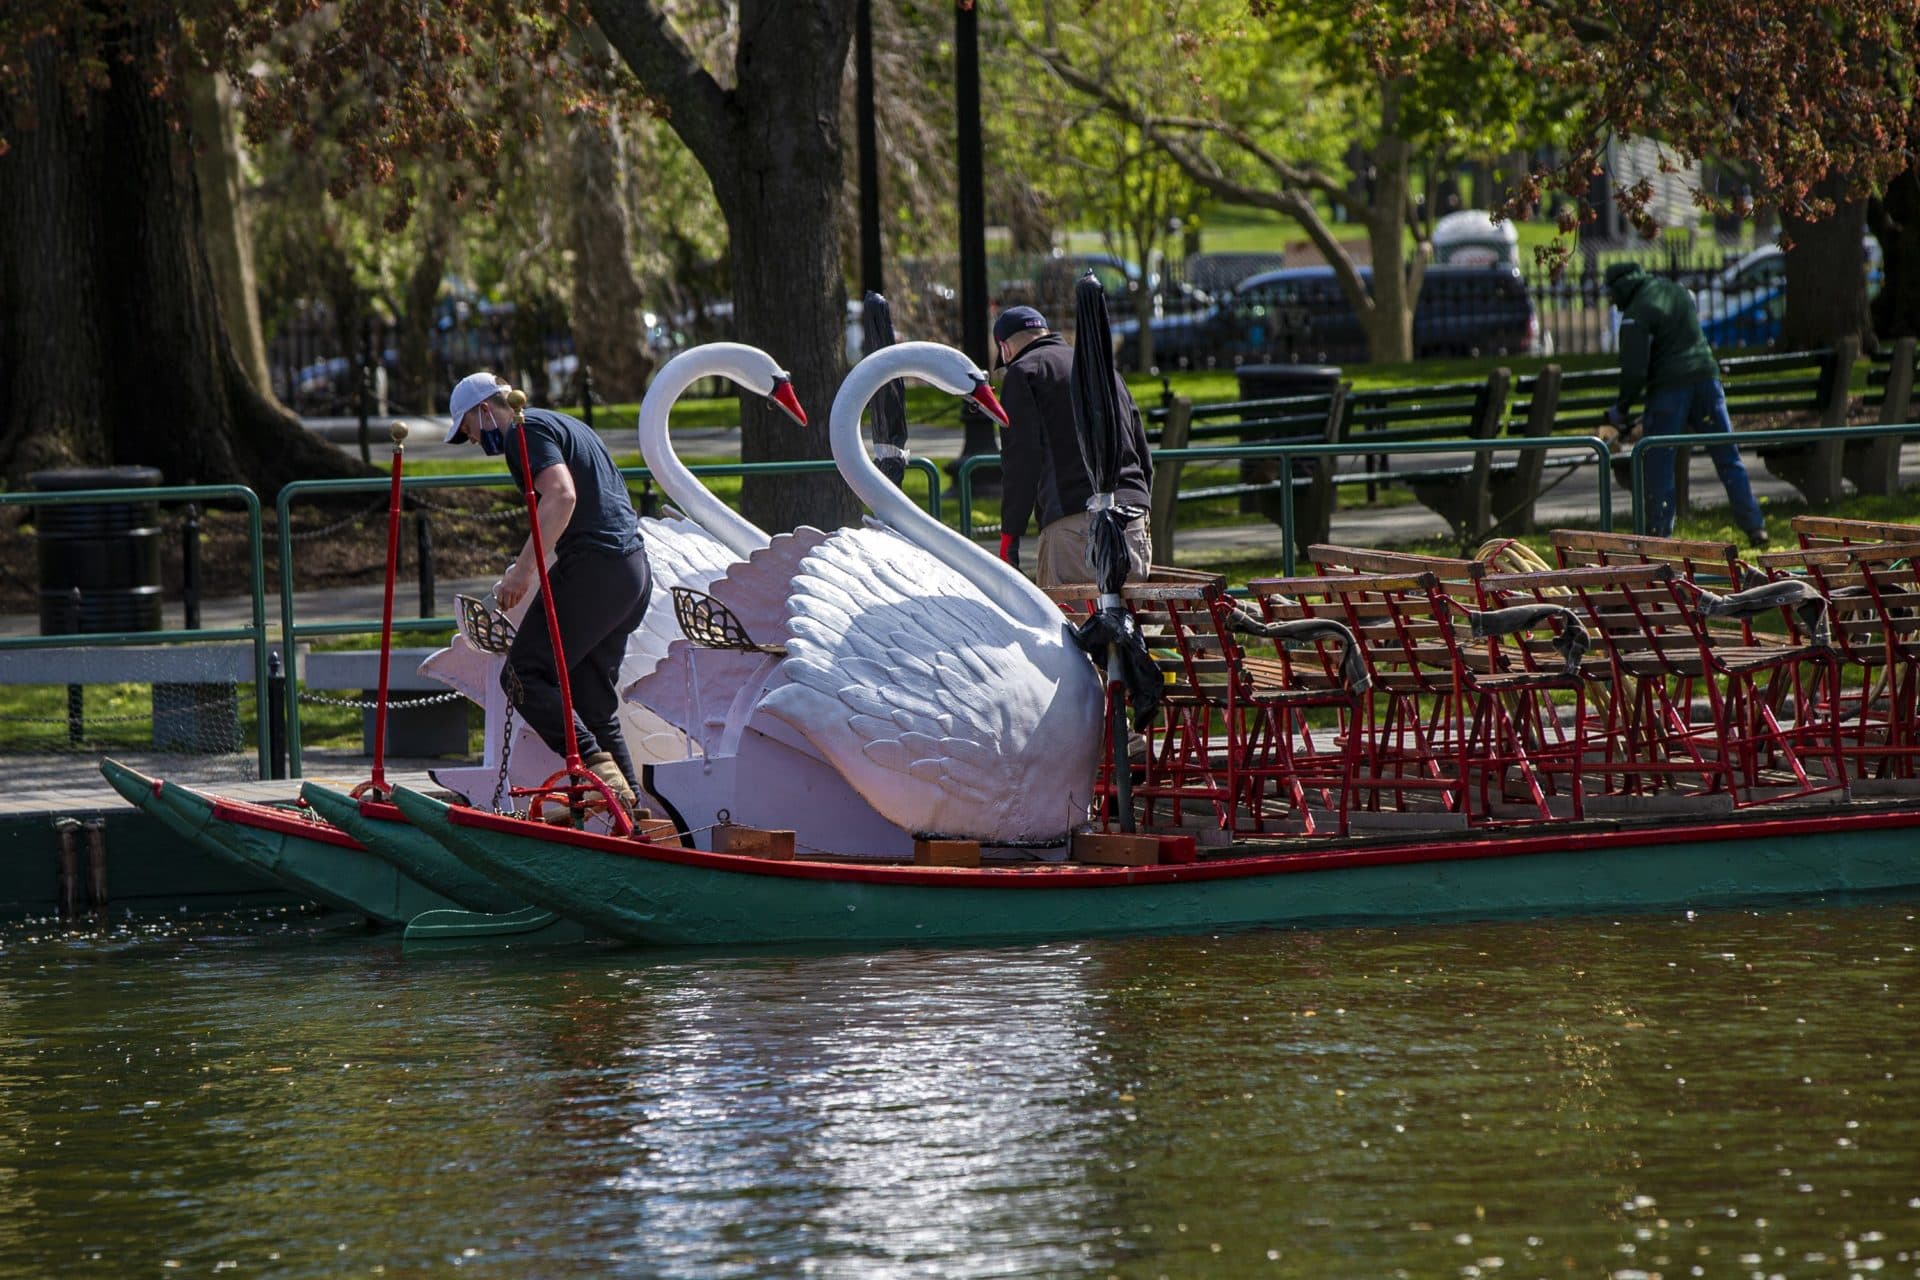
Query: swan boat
{"points": [[667, 894]]}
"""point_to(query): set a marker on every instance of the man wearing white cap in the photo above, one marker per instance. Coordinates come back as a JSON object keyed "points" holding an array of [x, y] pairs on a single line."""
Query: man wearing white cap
{"points": [[599, 575]]}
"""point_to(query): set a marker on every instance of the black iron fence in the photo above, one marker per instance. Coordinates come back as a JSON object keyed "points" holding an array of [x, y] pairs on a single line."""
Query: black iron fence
{"points": [[1206, 311], [322, 363]]}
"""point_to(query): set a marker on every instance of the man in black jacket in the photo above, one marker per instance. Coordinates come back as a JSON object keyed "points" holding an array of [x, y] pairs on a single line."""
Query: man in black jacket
{"points": [[1044, 474]]}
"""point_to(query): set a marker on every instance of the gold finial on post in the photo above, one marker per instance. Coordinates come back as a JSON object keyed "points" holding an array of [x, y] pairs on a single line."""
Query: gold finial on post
{"points": [[397, 432]]}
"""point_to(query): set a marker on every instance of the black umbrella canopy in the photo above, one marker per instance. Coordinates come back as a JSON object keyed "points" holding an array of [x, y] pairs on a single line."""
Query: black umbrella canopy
{"points": [[1111, 634], [890, 405]]}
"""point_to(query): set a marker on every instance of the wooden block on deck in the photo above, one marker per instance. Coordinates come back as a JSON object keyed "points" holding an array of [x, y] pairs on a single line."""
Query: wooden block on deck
{"points": [[1116, 850], [753, 841], [946, 853]]}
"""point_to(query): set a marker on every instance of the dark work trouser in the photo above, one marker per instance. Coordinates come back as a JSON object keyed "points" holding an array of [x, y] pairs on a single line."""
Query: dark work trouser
{"points": [[599, 598]]}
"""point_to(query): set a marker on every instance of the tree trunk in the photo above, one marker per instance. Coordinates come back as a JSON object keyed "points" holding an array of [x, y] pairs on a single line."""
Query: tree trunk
{"points": [[1389, 322], [1826, 286], [111, 339], [609, 333], [217, 165], [783, 222], [1895, 219], [770, 145], [419, 380]]}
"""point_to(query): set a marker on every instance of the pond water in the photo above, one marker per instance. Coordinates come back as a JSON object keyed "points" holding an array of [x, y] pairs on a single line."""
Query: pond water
{"points": [[1726, 1094]]}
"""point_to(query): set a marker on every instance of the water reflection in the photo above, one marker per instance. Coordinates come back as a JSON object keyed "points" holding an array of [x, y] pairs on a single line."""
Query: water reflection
{"points": [[867, 1110], [1730, 1093]]}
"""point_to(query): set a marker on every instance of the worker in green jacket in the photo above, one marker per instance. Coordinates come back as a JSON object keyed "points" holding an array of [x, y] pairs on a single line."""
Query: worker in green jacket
{"points": [[1663, 352]]}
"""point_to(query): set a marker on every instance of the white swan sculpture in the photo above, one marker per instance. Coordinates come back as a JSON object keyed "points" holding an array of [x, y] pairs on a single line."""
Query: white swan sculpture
{"points": [[935, 681], [689, 552], [940, 682]]}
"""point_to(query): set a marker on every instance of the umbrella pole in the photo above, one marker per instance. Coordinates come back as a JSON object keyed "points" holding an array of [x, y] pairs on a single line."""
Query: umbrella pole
{"points": [[1117, 731]]}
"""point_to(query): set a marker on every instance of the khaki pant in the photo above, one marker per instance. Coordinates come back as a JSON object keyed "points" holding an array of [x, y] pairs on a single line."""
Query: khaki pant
{"points": [[1063, 551]]}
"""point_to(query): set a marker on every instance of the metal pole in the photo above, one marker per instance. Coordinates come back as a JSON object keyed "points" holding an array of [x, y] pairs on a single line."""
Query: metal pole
{"points": [[365, 395], [423, 545], [190, 566], [865, 128], [586, 395], [971, 167], [276, 717]]}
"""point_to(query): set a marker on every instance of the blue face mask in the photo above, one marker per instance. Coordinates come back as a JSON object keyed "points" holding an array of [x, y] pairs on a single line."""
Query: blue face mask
{"points": [[493, 439]]}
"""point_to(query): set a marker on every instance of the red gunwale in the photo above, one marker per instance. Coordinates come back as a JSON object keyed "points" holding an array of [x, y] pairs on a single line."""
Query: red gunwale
{"points": [[1070, 876], [381, 811], [262, 817]]}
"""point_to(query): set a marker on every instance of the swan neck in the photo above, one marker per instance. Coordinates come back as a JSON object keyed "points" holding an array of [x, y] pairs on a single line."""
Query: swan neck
{"points": [[681, 486], [1002, 584]]}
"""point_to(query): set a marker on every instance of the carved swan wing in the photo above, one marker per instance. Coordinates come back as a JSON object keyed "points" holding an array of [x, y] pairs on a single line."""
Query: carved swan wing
{"points": [[947, 715]]}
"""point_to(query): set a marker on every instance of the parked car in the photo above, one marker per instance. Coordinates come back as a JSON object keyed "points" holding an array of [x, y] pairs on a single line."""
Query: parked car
{"points": [[1743, 306], [1301, 313]]}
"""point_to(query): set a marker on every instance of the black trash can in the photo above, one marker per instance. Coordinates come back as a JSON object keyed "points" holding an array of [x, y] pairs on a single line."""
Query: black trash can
{"points": [[99, 561], [1313, 506]]}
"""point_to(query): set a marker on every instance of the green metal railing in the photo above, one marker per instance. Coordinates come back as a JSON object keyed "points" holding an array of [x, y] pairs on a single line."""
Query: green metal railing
{"points": [[1636, 459], [292, 631], [256, 631], [1229, 453]]}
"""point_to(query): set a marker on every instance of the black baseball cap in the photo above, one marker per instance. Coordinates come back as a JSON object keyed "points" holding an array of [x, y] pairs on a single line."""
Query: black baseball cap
{"points": [[1015, 319]]}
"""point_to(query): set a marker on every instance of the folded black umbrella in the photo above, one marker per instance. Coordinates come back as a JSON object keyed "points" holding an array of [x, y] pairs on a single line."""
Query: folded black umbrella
{"points": [[1111, 635], [890, 405]]}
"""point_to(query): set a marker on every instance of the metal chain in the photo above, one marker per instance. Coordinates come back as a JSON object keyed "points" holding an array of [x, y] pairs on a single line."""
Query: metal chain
{"points": [[461, 513], [506, 758], [373, 704], [304, 535]]}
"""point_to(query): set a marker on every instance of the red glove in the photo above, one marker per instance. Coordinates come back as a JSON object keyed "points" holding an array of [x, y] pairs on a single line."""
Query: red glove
{"points": [[1010, 549]]}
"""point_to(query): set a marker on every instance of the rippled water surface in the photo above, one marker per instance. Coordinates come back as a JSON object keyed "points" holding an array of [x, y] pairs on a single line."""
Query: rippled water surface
{"points": [[1725, 1095]]}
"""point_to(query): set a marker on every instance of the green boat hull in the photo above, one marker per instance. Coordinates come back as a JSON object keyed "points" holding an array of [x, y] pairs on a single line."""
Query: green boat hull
{"points": [[324, 865], [143, 793], [411, 851], [672, 896]]}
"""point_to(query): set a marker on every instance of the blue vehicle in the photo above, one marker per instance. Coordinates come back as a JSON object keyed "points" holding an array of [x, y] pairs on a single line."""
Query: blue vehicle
{"points": [[1301, 314]]}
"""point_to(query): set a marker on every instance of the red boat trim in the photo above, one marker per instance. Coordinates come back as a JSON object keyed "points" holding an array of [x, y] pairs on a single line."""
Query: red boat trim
{"points": [[244, 813], [381, 811], [1074, 875]]}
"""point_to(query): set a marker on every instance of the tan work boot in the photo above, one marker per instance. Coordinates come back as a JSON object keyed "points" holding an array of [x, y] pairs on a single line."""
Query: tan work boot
{"points": [[601, 764]]}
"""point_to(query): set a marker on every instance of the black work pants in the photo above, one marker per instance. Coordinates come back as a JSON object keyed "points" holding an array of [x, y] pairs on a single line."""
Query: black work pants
{"points": [[599, 598]]}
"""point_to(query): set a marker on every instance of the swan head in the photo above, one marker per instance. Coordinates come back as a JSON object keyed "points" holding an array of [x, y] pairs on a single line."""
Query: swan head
{"points": [[939, 365], [989, 403], [782, 395]]}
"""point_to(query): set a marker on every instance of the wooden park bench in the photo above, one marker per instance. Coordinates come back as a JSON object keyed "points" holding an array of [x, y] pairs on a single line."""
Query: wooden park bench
{"points": [[1312, 419]]}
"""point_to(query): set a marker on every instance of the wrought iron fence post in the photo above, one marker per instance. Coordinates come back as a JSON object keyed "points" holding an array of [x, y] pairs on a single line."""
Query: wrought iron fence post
{"points": [[276, 717], [190, 566], [365, 396], [423, 544], [586, 395]]}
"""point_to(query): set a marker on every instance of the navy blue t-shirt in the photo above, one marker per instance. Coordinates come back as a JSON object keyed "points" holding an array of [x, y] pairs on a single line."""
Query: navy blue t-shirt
{"points": [[603, 515]]}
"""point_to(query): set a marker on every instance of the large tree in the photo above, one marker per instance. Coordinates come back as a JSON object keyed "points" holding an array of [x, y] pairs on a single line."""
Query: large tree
{"points": [[1253, 101], [766, 128], [112, 344], [1813, 98]]}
